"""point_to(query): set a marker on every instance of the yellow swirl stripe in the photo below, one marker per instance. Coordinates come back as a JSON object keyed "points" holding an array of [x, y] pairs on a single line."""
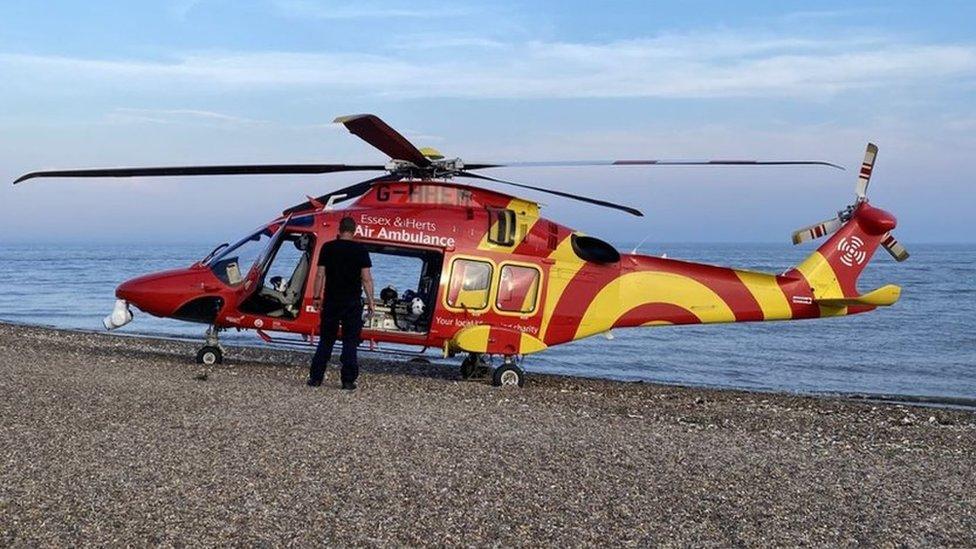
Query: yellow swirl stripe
{"points": [[635, 289], [561, 273], [768, 294]]}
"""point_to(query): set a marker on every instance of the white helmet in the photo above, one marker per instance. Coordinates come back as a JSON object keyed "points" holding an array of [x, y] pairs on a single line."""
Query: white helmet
{"points": [[417, 306], [278, 283]]}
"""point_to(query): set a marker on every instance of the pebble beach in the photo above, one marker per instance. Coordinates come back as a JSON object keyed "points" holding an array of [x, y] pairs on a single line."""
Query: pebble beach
{"points": [[108, 440]]}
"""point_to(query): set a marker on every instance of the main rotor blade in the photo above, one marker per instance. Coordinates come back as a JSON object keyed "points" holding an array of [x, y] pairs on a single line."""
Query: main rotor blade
{"points": [[894, 248], [582, 163], [596, 201], [343, 194], [262, 169], [864, 176], [379, 134]]}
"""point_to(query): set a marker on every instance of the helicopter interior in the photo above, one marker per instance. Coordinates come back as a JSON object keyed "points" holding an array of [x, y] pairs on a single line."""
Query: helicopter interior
{"points": [[407, 280], [284, 279]]}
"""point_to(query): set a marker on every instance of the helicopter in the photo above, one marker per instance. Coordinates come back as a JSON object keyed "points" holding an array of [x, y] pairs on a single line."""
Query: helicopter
{"points": [[495, 281]]}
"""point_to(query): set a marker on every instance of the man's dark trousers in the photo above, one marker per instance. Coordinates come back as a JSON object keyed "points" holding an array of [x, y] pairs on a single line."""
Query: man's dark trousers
{"points": [[350, 315]]}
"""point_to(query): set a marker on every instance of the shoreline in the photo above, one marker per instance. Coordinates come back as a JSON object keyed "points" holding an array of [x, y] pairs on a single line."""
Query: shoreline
{"points": [[114, 440], [924, 401]]}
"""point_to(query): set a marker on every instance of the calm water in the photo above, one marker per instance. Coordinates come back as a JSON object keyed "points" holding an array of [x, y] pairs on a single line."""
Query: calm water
{"points": [[924, 345]]}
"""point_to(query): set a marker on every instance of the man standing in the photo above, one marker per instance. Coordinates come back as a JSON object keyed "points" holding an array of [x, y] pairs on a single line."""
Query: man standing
{"points": [[343, 272]]}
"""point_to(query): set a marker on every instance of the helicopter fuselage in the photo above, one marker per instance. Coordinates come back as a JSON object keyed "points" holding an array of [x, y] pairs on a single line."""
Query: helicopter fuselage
{"points": [[496, 277]]}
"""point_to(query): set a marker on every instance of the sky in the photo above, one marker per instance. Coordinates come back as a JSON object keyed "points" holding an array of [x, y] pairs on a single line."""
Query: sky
{"points": [[175, 82]]}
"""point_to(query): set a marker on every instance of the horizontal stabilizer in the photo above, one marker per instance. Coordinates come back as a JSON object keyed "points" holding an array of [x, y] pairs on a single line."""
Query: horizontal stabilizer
{"points": [[882, 297]]}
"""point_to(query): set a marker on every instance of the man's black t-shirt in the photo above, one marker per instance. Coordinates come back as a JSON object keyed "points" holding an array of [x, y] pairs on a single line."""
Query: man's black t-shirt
{"points": [[344, 261]]}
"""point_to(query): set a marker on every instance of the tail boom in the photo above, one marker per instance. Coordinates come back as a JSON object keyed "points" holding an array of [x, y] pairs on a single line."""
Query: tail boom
{"points": [[644, 290], [658, 291]]}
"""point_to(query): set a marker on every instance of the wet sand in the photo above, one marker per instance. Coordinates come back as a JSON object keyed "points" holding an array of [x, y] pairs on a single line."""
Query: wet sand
{"points": [[110, 440]]}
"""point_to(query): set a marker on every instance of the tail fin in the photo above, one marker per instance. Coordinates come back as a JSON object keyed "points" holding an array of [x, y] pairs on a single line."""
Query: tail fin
{"points": [[832, 271]]}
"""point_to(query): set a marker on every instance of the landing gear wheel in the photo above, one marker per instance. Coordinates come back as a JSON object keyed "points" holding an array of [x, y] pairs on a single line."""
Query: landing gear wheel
{"points": [[508, 375], [210, 355]]}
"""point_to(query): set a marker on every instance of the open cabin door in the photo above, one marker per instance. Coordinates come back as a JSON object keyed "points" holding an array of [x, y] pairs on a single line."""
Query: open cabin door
{"points": [[407, 280], [253, 281]]}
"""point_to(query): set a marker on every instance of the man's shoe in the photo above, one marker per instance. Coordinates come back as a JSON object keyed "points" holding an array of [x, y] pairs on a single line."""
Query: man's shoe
{"points": [[313, 383], [348, 386]]}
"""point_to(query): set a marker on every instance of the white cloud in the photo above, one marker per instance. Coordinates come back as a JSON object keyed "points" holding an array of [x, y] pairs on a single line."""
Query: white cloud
{"points": [[178, 116], [180, 9], [441, 41], [806, 16], [365, 10], [720, 64]]}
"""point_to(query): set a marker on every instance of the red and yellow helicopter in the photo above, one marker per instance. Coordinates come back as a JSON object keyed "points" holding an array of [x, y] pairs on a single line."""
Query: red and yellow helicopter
{"points": [[494, 280]]}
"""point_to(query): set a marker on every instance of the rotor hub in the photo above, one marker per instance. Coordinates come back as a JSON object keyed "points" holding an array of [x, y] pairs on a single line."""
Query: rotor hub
{"points": [[440, 168]]}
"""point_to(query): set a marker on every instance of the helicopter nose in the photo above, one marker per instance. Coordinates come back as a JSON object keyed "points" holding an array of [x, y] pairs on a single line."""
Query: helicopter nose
{"points": [[134, 291], [162, 294], [144, 292]]}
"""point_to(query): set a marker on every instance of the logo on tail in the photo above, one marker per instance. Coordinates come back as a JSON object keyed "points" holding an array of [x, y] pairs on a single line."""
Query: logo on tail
{"points": [[852, 251]]}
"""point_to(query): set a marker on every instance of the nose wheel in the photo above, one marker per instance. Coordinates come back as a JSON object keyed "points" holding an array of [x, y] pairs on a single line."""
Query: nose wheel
{"points": [[211, 353]]}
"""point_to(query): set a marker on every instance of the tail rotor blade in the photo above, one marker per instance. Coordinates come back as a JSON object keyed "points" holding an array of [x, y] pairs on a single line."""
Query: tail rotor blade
{"points": [[864, 177], [894, 248], [814, 232]]}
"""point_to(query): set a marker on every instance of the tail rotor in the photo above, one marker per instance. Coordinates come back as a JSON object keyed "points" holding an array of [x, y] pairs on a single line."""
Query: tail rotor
{"points": [[830, 226]]}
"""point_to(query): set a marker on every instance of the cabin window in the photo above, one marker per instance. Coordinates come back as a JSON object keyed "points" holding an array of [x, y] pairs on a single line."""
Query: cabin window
{"points": [[518, 289], [502, 230], [470, 281]]}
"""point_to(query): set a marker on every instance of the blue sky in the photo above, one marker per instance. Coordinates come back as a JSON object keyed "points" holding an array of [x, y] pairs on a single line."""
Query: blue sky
{"points": [[214, 81]]}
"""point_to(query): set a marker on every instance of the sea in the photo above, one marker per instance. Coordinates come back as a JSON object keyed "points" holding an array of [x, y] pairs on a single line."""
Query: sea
{"points": [[924, 347]]}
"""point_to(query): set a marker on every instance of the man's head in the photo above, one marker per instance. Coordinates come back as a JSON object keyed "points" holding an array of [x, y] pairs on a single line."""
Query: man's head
{"points": [[347, 226]]}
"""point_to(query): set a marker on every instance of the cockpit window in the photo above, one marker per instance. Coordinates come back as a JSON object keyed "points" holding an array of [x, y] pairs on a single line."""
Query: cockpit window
{"points": [[234, 262]]}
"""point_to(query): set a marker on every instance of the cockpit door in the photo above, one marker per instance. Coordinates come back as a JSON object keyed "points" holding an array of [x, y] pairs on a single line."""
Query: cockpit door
{"points": [[252, 282]]}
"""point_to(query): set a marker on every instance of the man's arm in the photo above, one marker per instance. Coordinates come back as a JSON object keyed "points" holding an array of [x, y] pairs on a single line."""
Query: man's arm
{"points": [[319, 287], [368, 286]]}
